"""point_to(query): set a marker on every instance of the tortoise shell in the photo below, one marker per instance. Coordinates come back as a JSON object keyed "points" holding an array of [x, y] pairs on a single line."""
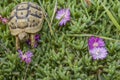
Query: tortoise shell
{"points": [[26, 17]]}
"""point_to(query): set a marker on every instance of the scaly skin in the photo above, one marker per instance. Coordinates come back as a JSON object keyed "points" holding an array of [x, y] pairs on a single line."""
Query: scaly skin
{"points": [[32, 40], [17, 43]]}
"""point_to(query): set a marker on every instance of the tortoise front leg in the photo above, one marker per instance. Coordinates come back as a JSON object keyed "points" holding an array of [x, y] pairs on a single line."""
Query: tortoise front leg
{"points": [[32, 39], [17, 43]]}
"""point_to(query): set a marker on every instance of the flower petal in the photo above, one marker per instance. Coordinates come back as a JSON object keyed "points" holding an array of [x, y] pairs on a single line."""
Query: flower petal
{"points": [[98, 53], [64, 16], [20, 53], [95, 40]]}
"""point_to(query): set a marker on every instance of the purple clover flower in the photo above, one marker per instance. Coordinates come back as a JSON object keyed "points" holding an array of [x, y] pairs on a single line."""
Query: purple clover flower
{"points": [[95, 42], [64, 16], [37, 39], [98, 53], [25, 57]]}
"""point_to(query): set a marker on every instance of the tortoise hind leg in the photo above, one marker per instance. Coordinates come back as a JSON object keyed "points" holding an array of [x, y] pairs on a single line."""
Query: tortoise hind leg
{"points": [[32, 39], [17, 43]]}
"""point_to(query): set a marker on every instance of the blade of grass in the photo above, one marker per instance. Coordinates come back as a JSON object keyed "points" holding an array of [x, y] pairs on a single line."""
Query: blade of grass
{"points": [[7, 50], [112, 18], [51, 31], [88, 35], [55, 8]]}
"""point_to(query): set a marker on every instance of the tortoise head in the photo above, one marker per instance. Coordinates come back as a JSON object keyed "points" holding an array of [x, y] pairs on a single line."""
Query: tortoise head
{"points": [[23, 36]]}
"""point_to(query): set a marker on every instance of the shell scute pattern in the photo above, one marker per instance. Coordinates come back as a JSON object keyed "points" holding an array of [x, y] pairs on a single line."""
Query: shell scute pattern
{"points": [[21, 14], [26, 17], [13, 25], [22, 6]]}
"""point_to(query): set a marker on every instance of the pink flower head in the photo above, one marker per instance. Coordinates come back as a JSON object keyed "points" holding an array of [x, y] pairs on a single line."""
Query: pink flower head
{"points": [[95, 42], [63, 15], [98, 53], [37, 39], [25, 57], [4, 20]]}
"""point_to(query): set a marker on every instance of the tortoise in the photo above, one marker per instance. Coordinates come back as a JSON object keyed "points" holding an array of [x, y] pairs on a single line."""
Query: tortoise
{"points": [[25, 21]]}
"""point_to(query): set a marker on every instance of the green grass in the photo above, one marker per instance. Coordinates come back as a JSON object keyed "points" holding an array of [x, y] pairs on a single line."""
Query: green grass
{"points": [[63, 51]]}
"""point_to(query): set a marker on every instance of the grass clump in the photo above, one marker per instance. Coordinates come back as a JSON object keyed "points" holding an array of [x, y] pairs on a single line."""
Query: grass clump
{"points": [[64, 55]]}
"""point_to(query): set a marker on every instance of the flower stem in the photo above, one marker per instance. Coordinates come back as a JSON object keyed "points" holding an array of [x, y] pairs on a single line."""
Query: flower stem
{"points": [[99, 72], [26, 72]]}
